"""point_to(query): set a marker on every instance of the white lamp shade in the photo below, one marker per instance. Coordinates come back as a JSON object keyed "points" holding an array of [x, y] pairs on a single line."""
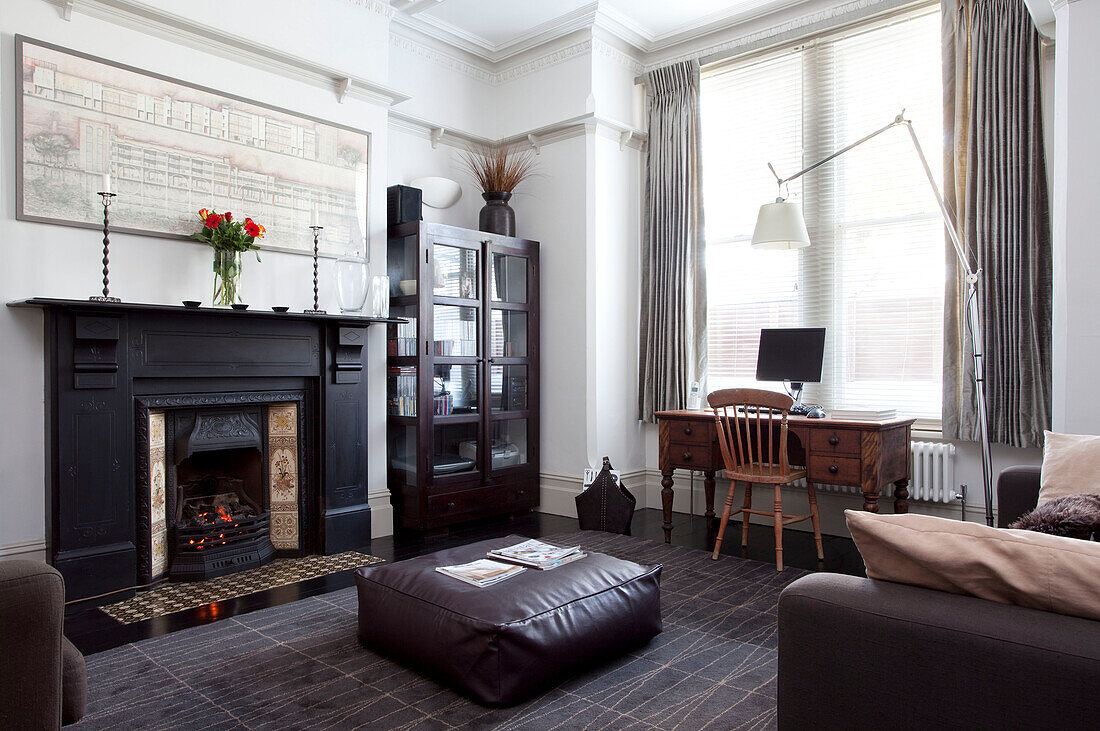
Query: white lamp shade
{"points": [[780, 225], [438, 192]]}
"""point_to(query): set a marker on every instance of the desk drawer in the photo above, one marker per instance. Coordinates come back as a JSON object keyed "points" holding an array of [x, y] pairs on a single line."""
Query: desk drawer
{"points": [[835, 441], [834, 470], [694, 432], [691, 456]]}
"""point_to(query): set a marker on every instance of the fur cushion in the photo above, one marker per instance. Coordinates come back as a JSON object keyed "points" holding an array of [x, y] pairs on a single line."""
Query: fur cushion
{"points": [[1072, 516]]}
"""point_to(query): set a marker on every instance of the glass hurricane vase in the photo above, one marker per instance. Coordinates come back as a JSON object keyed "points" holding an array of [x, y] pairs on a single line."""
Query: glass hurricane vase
{"points": [[227, 277], [352, 279]]}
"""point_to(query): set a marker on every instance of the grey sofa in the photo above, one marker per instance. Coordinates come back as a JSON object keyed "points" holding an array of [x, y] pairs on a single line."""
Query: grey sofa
{"points": [[857, 653], [42, 676]]}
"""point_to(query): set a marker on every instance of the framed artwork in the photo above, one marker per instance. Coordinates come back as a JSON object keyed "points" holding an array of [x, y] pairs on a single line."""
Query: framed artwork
{"points": [[172, 148]]}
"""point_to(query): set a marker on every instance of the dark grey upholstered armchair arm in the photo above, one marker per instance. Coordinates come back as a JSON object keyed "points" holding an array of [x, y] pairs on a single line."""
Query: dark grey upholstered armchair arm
{"points": [[36, 657], [856, 653], [1017, 492]]}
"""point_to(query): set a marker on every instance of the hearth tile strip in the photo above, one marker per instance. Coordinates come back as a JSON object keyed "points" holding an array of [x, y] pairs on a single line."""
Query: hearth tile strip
{"points": [[158, 526], [176, 597], [282, 453]]}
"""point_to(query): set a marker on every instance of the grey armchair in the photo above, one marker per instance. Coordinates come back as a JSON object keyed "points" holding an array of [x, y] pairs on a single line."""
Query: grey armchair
{"points": [[42, 676]]}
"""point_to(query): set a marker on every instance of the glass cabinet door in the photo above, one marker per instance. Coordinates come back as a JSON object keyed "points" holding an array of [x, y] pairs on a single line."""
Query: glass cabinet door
{"points": [[511, 360], [453, 275]]}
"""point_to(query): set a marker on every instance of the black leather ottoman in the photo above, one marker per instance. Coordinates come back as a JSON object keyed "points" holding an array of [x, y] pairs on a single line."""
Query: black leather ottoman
{"points": [[504, 643]]}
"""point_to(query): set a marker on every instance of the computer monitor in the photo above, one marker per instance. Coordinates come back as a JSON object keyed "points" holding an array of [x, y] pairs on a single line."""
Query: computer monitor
{"points": [[791, 354]]}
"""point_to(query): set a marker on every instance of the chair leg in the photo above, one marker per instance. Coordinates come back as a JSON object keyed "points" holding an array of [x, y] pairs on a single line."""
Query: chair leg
{"points": [[778, 518], [725, 519], [745, 516], [812, 494]]}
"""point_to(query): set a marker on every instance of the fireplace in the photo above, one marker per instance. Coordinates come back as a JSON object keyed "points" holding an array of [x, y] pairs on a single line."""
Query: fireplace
{"points": [[221, 522], [221, 480], [125, 386]]}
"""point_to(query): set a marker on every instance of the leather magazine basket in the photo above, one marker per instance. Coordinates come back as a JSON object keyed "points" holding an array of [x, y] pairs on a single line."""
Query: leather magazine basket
{"points": [[606, 505]]}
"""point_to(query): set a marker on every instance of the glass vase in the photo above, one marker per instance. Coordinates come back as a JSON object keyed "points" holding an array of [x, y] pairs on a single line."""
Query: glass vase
{"points": [[379, 297], [227, 277], [352, 279]]}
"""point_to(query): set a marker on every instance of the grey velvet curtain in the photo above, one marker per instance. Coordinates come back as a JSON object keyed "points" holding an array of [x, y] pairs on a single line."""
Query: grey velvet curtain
{"points": [[995, 183], [672, 335]]}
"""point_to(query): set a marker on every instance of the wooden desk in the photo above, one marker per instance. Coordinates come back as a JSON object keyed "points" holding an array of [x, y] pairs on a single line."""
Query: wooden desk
{"points": [[864, 454]]}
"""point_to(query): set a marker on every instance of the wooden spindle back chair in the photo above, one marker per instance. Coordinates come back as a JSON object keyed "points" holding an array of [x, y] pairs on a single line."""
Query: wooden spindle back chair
{"points": [[752, 433]]}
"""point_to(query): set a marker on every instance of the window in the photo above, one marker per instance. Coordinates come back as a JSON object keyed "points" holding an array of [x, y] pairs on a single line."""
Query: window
{"points": [[874, 274]]}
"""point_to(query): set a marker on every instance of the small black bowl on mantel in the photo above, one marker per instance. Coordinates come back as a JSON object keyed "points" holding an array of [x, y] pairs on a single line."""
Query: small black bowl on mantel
{"points": [[239, 306], [191, 304], [282, 308]]}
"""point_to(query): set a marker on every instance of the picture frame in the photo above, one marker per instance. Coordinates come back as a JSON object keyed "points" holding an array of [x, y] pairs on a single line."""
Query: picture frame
{"points": [[173, 147]]}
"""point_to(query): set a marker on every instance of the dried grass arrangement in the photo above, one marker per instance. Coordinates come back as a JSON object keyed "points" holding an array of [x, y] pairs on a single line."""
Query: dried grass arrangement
{"points": [[499, 168]]}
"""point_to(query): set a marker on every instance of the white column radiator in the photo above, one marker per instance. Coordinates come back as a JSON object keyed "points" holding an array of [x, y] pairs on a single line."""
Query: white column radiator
{"points": [[933, 474]]}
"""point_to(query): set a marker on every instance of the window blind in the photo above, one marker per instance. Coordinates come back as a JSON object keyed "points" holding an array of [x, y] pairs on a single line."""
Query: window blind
{"points": [[874, 274]]}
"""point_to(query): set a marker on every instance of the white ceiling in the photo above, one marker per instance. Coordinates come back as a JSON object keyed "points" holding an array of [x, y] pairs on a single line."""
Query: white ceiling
{"points": [[496, 28]]}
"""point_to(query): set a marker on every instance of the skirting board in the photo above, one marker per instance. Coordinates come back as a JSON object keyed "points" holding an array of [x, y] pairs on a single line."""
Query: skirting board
{"points": [[558, 493], [34, 550]]}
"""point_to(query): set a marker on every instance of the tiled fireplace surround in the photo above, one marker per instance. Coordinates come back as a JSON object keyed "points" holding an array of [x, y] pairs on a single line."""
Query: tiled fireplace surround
{"points": [[286, 485]]}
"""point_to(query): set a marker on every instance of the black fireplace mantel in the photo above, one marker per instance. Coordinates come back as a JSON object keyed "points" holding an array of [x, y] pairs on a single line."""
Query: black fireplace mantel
{"points": [[104, 359]]}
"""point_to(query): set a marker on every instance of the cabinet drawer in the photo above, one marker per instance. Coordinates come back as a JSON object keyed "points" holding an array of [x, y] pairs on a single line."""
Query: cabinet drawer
{"points": [[483, 499], [834, 470], [694, 432], [691, 455], [467, 501], [835, 441]]}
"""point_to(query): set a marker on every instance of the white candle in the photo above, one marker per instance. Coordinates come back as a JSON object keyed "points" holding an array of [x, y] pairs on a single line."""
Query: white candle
{"points": [[106, 182], [313, 218]]}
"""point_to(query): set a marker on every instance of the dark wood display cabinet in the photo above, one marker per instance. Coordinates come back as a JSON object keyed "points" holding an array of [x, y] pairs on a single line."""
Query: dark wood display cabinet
{"points": [[463, 374]]}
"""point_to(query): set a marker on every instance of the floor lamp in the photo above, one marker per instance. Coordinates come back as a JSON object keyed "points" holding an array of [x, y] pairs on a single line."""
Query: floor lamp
{"points": [[780, 225]]}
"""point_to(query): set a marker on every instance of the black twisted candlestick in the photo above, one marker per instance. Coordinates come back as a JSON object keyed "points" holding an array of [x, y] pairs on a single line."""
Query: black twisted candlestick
{"points": [[316, 304], [106, 296]]}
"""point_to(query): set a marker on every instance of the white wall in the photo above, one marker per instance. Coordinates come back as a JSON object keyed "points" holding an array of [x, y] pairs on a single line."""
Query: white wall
{"points": [[58, 261], [1076, 190]]}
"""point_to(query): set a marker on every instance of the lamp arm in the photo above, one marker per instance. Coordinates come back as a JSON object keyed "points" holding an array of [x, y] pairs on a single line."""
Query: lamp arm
{"points": [[900, 120], [897, 120]]}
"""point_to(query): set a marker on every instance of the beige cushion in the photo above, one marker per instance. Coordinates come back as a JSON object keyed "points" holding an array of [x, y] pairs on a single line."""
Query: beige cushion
{"points": [[1025, 568], [1071, 466]]}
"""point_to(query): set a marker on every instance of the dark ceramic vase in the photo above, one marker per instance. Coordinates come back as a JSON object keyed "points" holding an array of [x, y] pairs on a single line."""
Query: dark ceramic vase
{"points": [[497, 217]]}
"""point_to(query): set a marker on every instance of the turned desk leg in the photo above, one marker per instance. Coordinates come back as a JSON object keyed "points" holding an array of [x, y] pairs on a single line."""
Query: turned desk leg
{"points": [[870, 500], [666, 503], [708, 492], [901, 495]]}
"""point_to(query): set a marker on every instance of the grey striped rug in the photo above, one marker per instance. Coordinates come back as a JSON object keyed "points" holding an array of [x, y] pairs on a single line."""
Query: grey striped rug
{"points": [[299, 665]]}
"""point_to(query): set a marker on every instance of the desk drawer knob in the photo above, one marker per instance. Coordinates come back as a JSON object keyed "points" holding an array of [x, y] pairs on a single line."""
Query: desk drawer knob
{"points": [[687, 456], [688, 430], [834, 440], [833, 469], [450, 504]]}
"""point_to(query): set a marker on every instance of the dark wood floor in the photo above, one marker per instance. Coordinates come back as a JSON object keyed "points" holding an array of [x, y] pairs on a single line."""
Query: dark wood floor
{"points": [[91, 630]]}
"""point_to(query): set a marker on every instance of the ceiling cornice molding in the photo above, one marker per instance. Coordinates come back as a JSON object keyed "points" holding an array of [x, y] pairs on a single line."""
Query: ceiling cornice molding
{"points": [[472, 43], [624, 28], [434, 53], [431, 49], [436, 40], [544, 61], [375, 6], [620, 57], [820, 19], [193, 34]]}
